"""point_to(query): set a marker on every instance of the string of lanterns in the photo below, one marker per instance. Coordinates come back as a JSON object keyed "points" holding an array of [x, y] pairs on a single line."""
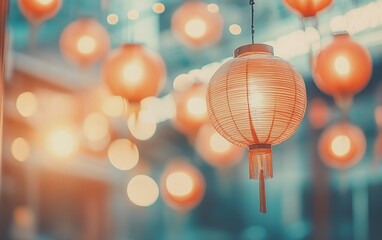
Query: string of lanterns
{"points": [[256, 99]]}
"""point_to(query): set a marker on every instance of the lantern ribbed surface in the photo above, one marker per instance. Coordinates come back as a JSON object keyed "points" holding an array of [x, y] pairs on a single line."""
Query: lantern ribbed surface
{"points": [[308, 8], [256, 100]]}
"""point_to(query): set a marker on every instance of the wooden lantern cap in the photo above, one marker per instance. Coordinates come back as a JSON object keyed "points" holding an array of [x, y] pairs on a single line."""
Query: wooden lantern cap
{"points": [[253, 48]]}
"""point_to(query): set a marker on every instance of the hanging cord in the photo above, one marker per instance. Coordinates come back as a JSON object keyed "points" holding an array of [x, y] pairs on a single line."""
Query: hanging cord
{"points": [[252, 3]]}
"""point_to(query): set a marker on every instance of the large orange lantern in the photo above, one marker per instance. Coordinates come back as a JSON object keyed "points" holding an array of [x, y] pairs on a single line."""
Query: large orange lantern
{"points": [[215, 149], [196, 26], [37, 11], [84, 41], [134, 72], [191, 109], [182, 186], [342, 145], [256, 100], [342, 69], [307, 8]]}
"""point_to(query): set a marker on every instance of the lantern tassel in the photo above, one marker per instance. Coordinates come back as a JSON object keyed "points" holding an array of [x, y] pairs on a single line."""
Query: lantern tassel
{"points": [[263, 202]]}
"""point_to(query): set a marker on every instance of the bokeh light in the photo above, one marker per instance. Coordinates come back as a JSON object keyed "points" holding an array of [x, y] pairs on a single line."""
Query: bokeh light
{"points": [[27, 104], [142, 191], [112, 19], [158, 8], [96, 127], [62, 141], [143, 126], [235, 29], [133, 14], [213, 7], [114, 106], [123, 154], [20, 149]]}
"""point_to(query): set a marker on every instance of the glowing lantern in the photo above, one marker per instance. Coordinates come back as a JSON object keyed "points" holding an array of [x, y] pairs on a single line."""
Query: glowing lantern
{"points": [[37, 11], [215, 149], [191, 109], [182, 186], [308, 8], [134, 72], [256, 100], [196, 26], [342, 145], [319, 113], [342, 69], [84, 41]]}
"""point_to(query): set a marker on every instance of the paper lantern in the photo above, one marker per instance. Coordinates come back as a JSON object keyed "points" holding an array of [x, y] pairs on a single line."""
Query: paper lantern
{"points": [[191, 109], [37, 11], [342, 145], [256, 100], [182, 186], [215, 149], [84, 41], [319, 113], [134, 72], [307, 8], [195, 26], [342, 69]]}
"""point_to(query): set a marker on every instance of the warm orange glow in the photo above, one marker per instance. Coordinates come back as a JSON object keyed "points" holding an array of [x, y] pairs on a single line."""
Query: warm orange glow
{"points": [[27, 104], [319, 113], [84, 41], [342, 145], [215, 149], [134, 72], [62, 142], [308, 8], [191, 109], [96, 127], [235, 29], [142, 191], [143, 126], [20, 149], [112, 19], [338, 72], [114, 106], [123, 154], [37, 11], [378, 116], [197, 24], [256, 100], [23, 218], [158, 8], [182, 186]]}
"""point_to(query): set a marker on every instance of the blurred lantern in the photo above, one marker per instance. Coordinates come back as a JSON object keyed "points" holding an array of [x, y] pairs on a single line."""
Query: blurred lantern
{"points": [[182, 186], [196, 26], [319, 113], [378, 146], [191, 109], [84, 41], [215, 149], [307, 8], [378, 116], [134, 72], [37, 11], [256, 100], [342, 145], [342, 69]]}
